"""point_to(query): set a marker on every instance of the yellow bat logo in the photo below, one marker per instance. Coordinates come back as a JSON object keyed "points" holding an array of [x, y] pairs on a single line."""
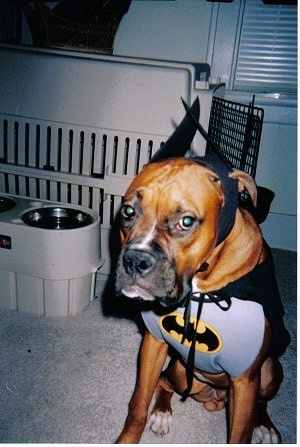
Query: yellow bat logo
{"points": [[208, 340]]}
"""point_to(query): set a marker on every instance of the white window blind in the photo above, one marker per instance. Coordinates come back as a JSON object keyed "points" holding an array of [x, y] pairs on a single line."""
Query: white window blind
{"points": [[267, 54]]}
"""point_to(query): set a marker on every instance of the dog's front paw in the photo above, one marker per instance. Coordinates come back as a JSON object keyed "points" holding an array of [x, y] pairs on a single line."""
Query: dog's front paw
{"points": [[265, 435], [160, 422]]}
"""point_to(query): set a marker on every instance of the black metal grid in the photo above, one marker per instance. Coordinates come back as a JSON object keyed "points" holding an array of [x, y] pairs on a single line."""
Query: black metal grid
{"points": [[236, 129]]}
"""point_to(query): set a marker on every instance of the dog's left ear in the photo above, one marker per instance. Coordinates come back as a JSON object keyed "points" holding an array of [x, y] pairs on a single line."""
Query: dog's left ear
{"points": [[245, 182]]}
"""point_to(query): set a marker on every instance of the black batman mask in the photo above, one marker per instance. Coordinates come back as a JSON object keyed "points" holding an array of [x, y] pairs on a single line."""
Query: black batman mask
{"points": [[179, 143]]}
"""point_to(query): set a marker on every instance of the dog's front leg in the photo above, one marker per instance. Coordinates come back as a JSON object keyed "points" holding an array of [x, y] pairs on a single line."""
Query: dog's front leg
{"points": [[153, 354], [242, 402], [243, 397]]}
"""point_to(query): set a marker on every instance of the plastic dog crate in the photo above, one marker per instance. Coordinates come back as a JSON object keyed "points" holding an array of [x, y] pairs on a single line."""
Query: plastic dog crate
{"points": [[76, 127]]}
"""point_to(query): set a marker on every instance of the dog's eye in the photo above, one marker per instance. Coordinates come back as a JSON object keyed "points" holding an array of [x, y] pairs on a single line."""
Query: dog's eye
{"points": [[186, 223], [127, 211]]}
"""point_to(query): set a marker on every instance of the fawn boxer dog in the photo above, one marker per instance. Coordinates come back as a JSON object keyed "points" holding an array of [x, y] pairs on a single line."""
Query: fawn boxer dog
{"points": [[200, 262]]}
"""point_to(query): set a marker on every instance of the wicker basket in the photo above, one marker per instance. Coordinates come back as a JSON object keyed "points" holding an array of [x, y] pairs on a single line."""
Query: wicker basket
{"points": [[48, 29]]}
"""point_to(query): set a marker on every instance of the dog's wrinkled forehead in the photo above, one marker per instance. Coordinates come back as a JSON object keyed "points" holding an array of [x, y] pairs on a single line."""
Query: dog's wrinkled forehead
{"points": [[170, 178], [160, 175]]}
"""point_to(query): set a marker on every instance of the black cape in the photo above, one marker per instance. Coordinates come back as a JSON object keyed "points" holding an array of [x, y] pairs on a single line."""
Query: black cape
{"points": [[260, 285]]}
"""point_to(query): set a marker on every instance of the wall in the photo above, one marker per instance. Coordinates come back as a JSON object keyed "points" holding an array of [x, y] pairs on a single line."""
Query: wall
{"points": [[201, 31], [173, 30]]}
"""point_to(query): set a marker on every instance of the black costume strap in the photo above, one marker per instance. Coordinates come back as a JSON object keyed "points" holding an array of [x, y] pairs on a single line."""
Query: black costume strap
{"points": [[219, 298], [190, 331], [230, 189]]}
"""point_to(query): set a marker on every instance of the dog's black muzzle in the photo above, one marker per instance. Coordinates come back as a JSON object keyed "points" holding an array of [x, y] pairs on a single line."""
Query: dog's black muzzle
{"points": [[138, 262], [147, 273]]}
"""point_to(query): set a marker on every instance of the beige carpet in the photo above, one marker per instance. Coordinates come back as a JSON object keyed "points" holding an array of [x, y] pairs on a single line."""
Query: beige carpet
{"points": [[69, 380]]}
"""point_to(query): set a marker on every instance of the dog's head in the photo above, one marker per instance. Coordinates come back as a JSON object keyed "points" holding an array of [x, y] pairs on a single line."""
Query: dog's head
{"points": [[170, 223]]}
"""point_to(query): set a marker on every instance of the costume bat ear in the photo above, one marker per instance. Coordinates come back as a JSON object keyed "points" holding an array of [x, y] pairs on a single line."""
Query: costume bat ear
{"points": [[245, 183], [180, 141]]}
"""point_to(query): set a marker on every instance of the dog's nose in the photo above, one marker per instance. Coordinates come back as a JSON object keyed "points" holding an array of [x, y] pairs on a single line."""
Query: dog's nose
{"points": [[138, 262]]}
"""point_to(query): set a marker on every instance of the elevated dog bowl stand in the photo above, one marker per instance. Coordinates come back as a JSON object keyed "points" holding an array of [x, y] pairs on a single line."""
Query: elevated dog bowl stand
{"points": [[49, 256]]}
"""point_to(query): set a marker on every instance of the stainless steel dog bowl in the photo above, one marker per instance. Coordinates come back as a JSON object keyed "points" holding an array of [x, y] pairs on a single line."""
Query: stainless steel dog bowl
{"points": [[57, 218], [6, 204]]}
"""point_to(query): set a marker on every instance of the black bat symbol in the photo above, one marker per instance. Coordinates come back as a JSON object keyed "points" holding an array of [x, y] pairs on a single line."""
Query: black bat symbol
{"points": [[207, 337]]}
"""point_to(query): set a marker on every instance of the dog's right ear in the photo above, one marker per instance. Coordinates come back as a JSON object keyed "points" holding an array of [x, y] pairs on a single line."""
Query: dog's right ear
{"points": [[180, 141], [245, 183]]}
